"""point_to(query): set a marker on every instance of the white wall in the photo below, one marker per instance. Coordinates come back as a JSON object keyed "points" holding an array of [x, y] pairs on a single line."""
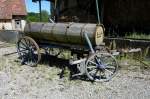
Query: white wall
{"points": [[0, 26], [6, 25], [11, 25], [23, 23]]}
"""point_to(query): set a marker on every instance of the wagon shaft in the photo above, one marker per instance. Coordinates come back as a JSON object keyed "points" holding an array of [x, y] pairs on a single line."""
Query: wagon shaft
{"points": [[69, 33]]}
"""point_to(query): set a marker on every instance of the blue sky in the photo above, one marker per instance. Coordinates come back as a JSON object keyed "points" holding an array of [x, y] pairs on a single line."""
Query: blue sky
{"points": [[34, 7]]}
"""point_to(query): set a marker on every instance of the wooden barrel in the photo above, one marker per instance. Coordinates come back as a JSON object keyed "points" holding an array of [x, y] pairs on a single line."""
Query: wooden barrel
{"points": [[69, 33]]}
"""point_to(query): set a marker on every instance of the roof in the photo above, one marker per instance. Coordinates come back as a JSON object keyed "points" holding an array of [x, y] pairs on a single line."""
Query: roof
{"points": [[8, 8], [42, 0]]}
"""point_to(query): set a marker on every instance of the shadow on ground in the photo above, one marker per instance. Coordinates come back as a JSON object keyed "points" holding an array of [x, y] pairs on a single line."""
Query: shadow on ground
{"points": [[63, 64]]}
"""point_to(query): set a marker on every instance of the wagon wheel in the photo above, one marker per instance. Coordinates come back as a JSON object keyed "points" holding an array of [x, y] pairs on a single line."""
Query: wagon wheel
{"points": [[28, 51], [104, 73]]}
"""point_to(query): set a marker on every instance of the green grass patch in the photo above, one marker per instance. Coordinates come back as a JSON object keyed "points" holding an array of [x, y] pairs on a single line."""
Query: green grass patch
{"points": [[138, 36]]}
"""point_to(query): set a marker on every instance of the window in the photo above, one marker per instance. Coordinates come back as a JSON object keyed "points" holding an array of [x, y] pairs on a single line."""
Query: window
{"points": [[17, 24]]}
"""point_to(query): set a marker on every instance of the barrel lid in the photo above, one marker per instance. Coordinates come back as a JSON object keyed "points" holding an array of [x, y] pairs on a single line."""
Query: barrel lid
{"points": [[99, 35]]}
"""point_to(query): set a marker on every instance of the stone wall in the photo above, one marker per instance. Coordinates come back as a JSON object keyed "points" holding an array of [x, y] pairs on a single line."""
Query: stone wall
{"points": [[10, 36]]}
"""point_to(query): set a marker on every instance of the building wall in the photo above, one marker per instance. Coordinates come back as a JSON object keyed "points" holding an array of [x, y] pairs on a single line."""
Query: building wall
{"points": [[23, 22], [127, 13], [10, 25], [116, 15], [5, 26]]}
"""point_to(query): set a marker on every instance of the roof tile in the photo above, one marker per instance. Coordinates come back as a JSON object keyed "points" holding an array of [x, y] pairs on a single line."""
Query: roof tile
{"points": [[8, 8]]}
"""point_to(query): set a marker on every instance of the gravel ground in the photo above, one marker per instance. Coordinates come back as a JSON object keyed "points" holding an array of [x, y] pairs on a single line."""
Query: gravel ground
{"points": [[43, 82]]}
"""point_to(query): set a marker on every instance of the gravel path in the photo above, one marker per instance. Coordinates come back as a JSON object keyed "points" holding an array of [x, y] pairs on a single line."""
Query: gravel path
{"points": [[43, 82]]}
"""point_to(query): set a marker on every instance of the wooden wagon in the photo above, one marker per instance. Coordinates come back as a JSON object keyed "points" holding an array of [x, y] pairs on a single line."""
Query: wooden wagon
{"points": [[84, 40]]}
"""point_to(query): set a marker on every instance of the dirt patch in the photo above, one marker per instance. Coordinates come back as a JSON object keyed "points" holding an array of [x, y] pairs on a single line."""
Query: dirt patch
{"points": [[23, 82]]}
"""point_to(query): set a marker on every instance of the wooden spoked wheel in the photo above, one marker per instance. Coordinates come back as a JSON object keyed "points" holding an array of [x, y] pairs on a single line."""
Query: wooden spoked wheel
{"points": [[101, 67], [29, 51]]}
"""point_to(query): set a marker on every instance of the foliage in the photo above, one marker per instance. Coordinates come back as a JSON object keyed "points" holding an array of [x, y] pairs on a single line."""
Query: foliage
{"points": [[35, 17], [32, 17], [45, 16]]}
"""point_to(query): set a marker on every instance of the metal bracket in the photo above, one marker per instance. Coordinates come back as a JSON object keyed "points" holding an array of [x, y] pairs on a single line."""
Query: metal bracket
{"points": [[89, 42], [77, 61], [80, 65]]}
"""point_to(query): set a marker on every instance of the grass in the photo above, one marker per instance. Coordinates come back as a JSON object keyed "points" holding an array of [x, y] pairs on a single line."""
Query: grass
{"points": [[133, 61], [138, 36]]}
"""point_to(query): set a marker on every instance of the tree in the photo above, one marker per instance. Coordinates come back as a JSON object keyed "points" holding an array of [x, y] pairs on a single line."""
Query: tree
{"points": [[35, 17], [32, 17], [45, 16]]}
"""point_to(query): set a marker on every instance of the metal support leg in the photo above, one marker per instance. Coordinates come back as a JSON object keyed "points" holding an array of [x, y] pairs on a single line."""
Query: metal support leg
{"points": [[97, 9], [99, 64], [40, 10], [81, 67], [89, 42]]}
